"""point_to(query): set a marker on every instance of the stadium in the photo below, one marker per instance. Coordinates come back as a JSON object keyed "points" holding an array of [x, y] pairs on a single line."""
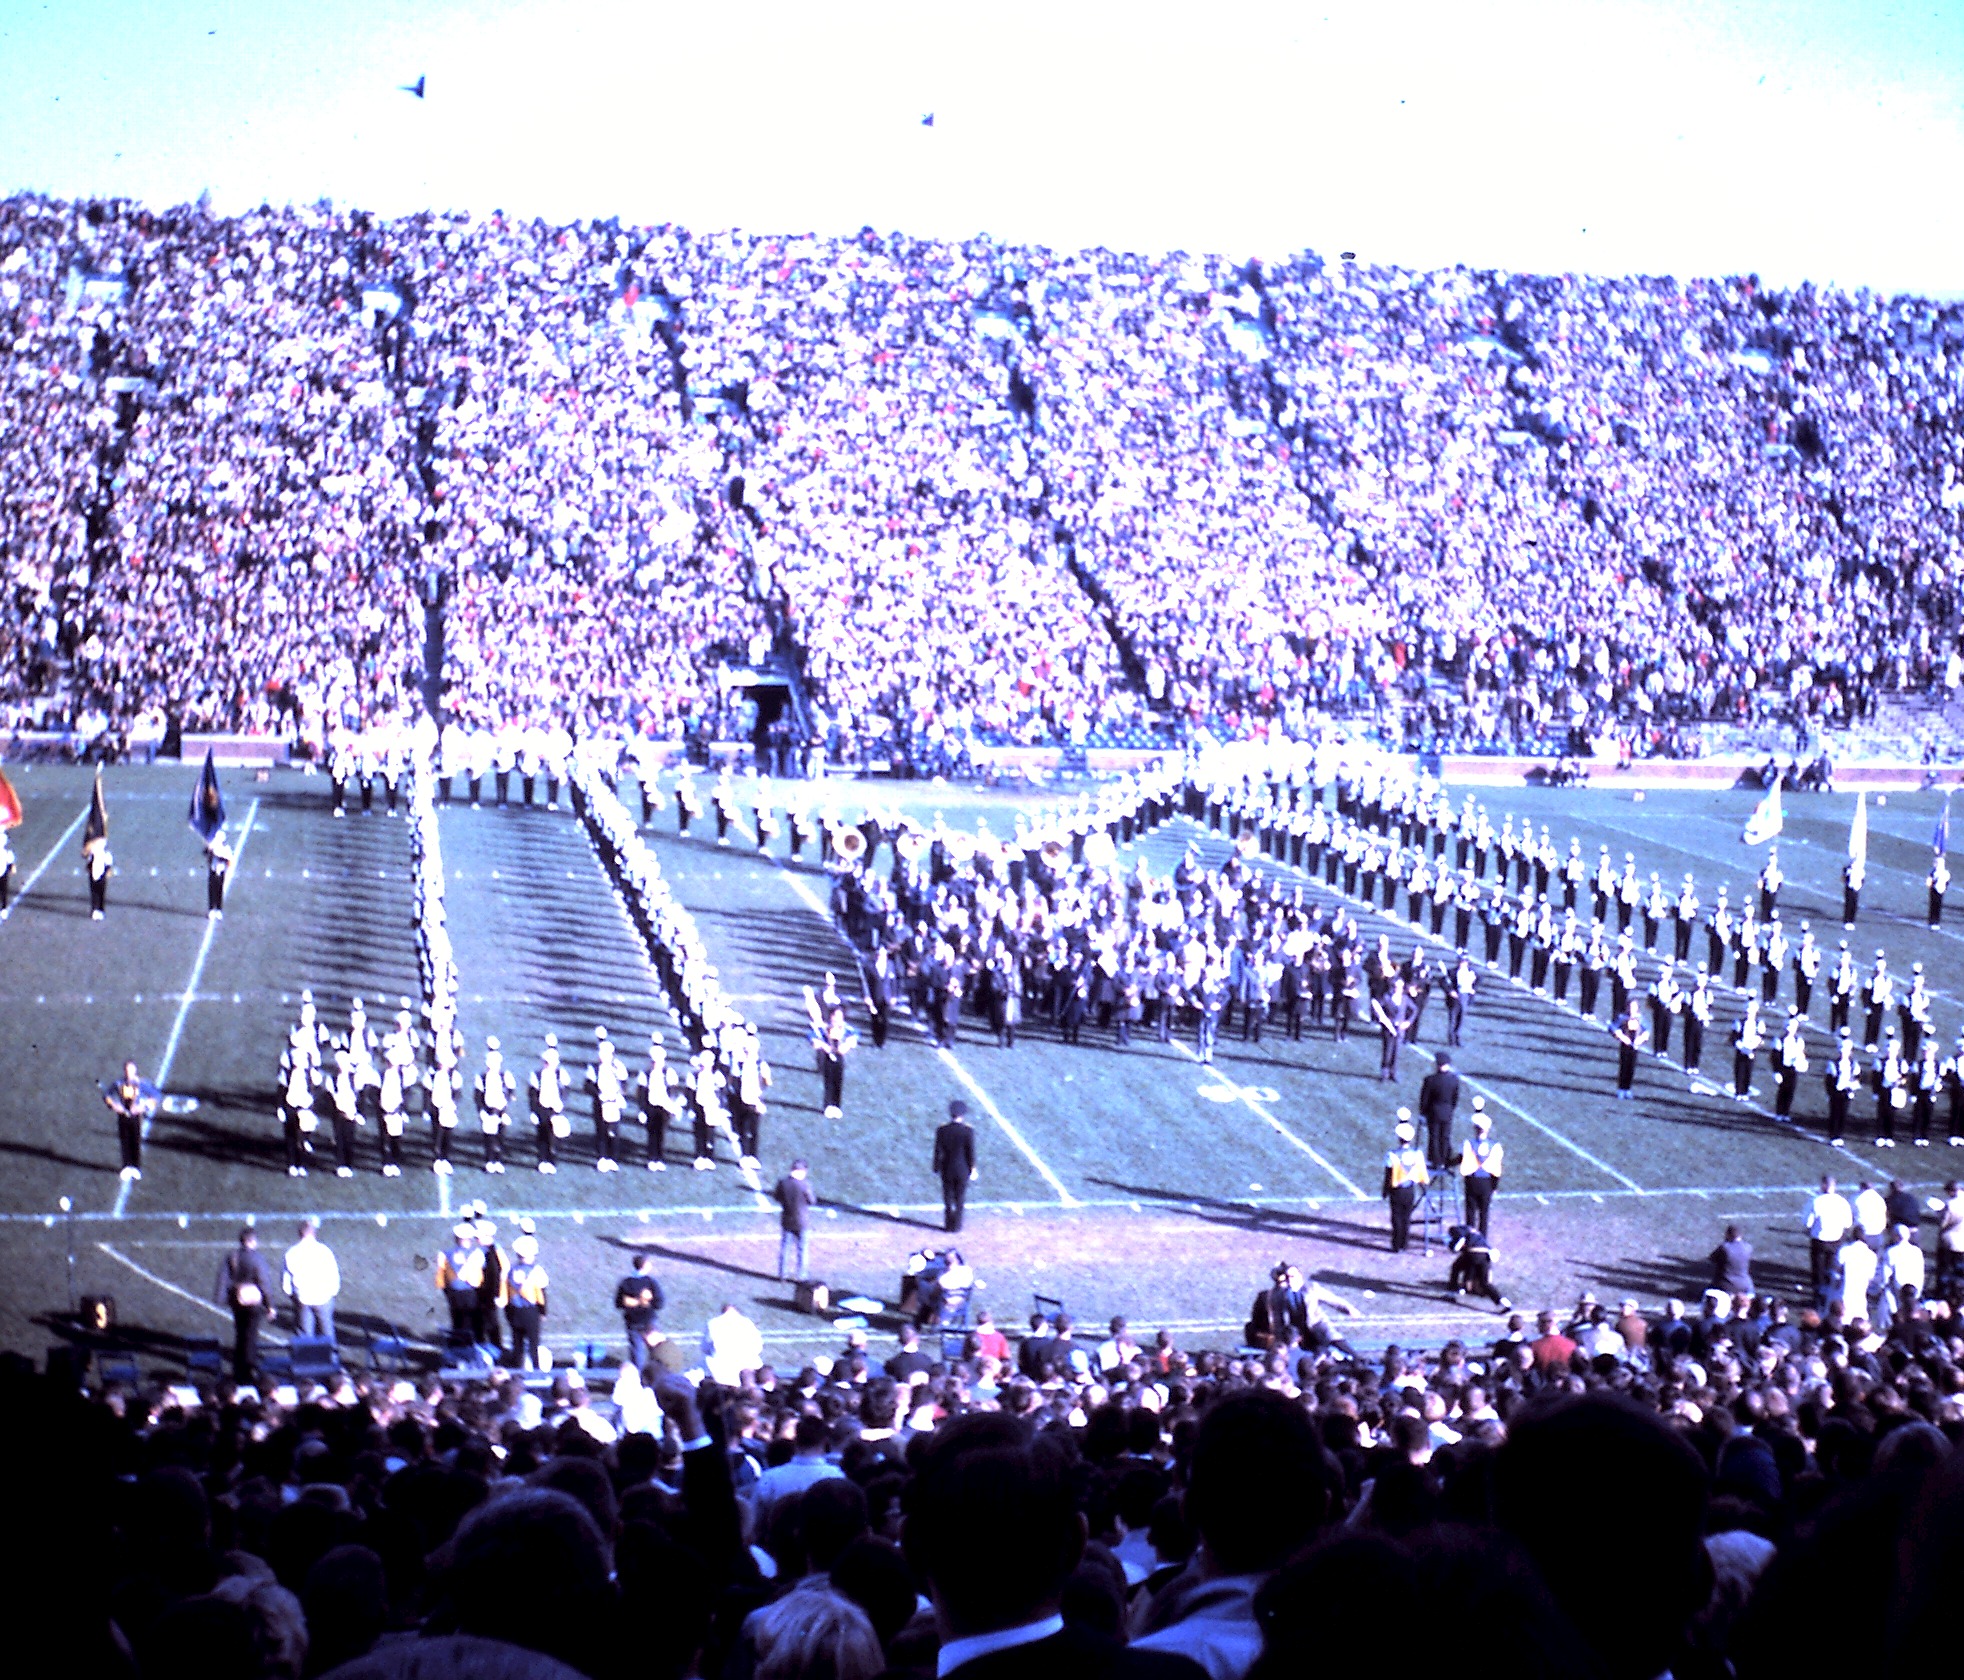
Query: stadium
{"points": [[728, 950]]}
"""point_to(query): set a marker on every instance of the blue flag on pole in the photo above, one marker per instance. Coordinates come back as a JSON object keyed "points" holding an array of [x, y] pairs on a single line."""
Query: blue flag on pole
{"points": [[207, 802], [1941, 843]]}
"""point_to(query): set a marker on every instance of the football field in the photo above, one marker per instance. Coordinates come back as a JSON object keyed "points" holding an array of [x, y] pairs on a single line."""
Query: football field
{"points": [[1133, 1181]]}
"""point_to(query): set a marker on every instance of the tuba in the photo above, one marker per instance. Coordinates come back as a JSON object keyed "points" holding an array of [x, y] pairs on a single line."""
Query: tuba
{"points": [[911, 844], [1249, 845], [849, 843], [1100, 850]]}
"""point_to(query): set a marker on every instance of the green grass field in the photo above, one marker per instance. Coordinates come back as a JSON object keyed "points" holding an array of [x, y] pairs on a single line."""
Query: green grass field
{"points": [[1133, 1181]]}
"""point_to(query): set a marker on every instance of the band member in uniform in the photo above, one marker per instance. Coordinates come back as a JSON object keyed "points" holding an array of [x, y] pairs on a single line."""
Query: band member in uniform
{"points": [[1877, 995], [100, 865], [218, 868], [1807, 964], [391, 1104], [1718, 933], [832, 1042], [1686, 918], [459, 1272], [1471, 1272], [1666, 999], [1938, 882], [1656, 906], [1954, 1084], [1852, 873], [496, 1086], [1393, 1014], [1747, 1038], [1458, 986], [1890, 1078], [1791, 1057], [132, 1100], [344, 1105], [658, 1102], [1405, 1175], [606, 1083], [1844, 1079], [297, 1111], [1928, 1079], [525, 1302], [547, 1090], [706, 1094], [1773, 960], [753, 1077], [1595, 961], [1697, 1017], [1770, 883], [443, 1085], [1630, 1038], [1843, 984], [1480, 1163]]}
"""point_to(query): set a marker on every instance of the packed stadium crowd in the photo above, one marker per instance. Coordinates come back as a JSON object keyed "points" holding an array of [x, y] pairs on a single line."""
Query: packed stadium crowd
{"points": [[975, 489], [1606, 1492]]}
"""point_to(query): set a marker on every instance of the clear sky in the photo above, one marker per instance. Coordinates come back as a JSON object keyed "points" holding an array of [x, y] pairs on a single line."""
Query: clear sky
{"points": [[1795, 138]]}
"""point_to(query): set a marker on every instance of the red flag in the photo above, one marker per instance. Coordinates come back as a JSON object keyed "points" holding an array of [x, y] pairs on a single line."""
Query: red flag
{"points": [[10, 813]]}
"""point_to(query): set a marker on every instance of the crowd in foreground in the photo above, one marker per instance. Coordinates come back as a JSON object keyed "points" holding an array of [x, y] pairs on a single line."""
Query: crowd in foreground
{"points": [[978, 490], [1617, 1495]]}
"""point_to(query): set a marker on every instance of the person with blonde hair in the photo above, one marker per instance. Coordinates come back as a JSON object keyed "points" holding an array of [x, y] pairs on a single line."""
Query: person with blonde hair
{"points": [[814, 1634]]}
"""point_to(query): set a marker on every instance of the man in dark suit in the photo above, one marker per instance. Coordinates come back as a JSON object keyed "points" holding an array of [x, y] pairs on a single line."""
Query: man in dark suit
{"points": [[954, 1163], [1438, 1097], [994, 1530]]}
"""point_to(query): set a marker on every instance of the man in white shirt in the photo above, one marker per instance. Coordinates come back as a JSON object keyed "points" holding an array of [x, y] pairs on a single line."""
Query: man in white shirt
{"points": [[731, 1345], [1829, 1219], [312, 1278], [1902, 1266], [1872, 1214], [1855, 1267]]}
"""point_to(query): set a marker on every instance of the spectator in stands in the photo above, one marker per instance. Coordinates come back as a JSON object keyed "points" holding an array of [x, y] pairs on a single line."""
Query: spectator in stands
{"points": [[1259, 1486]]}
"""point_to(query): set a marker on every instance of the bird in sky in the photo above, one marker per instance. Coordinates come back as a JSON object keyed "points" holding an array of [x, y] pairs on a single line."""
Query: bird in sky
{"points": [[415, 87]]}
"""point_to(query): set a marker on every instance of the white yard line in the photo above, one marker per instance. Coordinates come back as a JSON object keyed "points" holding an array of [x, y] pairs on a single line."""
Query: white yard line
{"points": [[54, 852], [1548, 1131], [1261, 1113], [640, 1217], [169, 1057], [820, 909], [182, 1294], [1064, 1197]]}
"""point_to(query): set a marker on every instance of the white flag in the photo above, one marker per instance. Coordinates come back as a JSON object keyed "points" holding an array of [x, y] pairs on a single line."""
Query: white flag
{"points": [[1858, 831], [1767, 819]]}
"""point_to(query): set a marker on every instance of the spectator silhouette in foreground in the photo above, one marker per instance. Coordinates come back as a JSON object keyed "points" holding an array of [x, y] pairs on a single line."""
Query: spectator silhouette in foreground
{"points": [[1258, 1489], [1610, 1505], [993, 1528]]}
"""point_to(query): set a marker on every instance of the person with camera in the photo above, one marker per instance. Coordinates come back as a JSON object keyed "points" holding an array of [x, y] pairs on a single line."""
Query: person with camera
{"points": [[245, 1288]]}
